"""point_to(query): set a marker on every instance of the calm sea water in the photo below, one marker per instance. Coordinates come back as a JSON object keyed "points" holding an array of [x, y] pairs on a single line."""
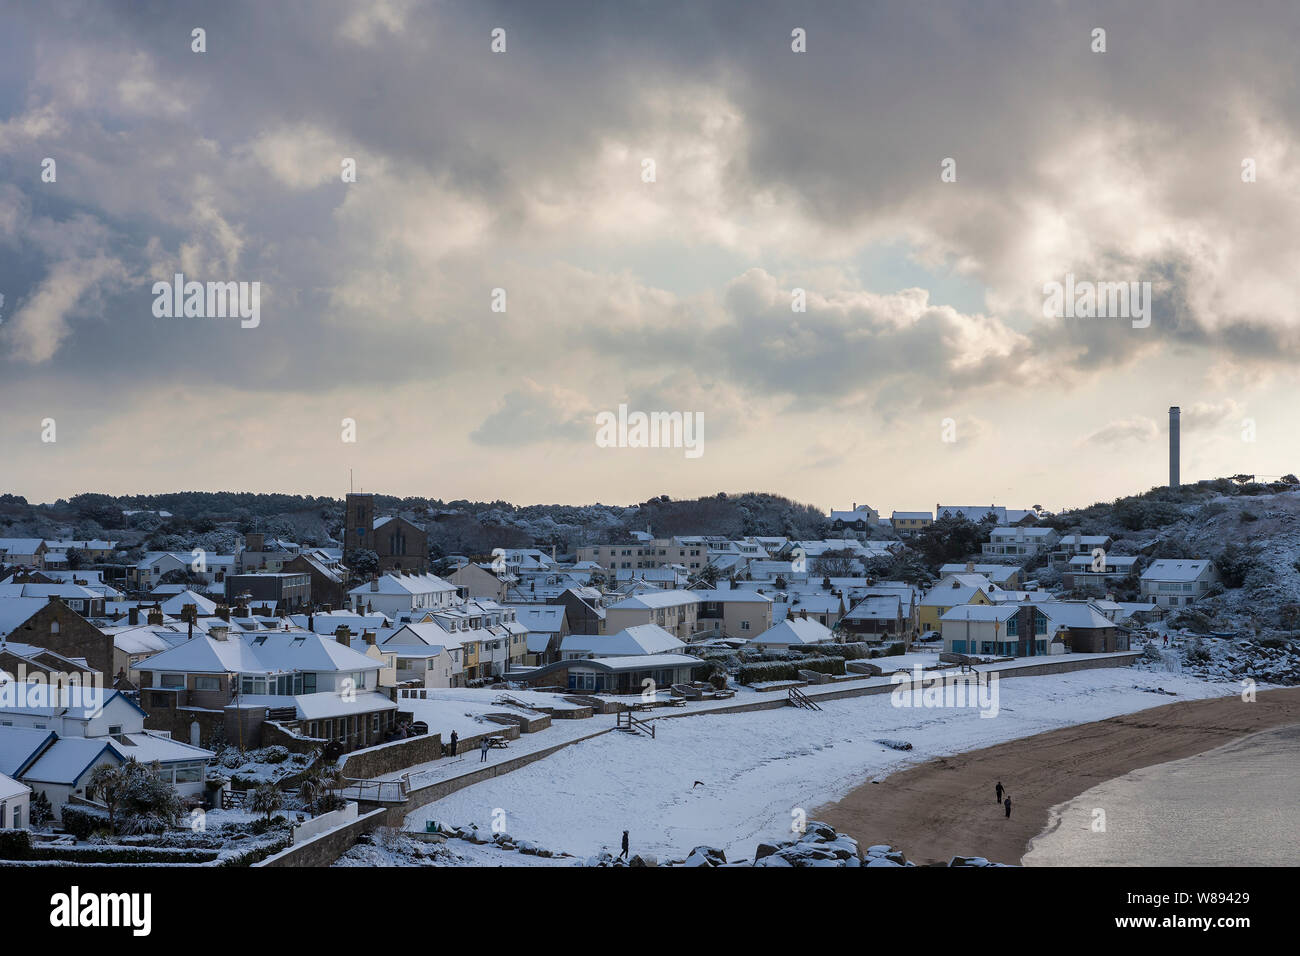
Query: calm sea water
{"points": [[1237, 805]]}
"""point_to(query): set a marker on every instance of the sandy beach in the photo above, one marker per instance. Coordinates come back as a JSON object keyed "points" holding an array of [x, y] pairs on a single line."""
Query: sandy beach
{"points": [[946, 806]]}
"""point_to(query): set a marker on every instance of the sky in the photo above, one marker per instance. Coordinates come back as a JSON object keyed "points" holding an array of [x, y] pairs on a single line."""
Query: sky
{"points": [[919, 171]]}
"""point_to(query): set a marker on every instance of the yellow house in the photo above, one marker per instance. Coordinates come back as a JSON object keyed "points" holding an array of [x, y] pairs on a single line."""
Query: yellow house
{"points": [[948, 594]]}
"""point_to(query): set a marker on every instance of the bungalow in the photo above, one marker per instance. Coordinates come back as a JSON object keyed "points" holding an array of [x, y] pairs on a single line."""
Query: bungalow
{"points": [[616, 675], [1177, 582], [639, 639], [794, 632]]}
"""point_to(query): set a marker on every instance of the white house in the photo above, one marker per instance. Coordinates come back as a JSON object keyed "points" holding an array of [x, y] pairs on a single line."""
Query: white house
{"points": [[1177, 582], [638, 639], [392, 594], [1020, 541]]}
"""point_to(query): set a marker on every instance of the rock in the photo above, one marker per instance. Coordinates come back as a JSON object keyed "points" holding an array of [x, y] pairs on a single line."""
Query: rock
{"points": [[767, 849], [880, 861], [880, 849], [643, 859], [968, 861], [821, 832], [773, 861], [895, 744], [706, 856], [527, 848], [897, 857]]}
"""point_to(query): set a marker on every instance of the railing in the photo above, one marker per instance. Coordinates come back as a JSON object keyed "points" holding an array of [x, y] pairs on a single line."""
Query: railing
{"points": [[373, 791], [626, 722], [798, 698]]}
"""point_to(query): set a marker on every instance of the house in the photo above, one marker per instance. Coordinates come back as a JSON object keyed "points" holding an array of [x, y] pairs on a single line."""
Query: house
{"points": [[394, 593], [616, 675], [1075, 544], [15, 799], [92, 550], [328, 587], [639, 639], [1003, 575], [547, 626], [952, 591], [733, 612], [284, 591], [878, 618], [825, 609], [793, 632], [1031, 629], [1086, 573], [862, 519], [401, 545], [975, 513], [908, 523], [28, 552], [674, 611], [309, 685], [80, 599], [51, 624], [427, 655], [1020, 541], [1177, 582], [477, 581]]}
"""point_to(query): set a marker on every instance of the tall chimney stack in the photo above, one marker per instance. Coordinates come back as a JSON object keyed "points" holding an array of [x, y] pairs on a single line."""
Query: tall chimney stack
{"points": [[1174, 414]]}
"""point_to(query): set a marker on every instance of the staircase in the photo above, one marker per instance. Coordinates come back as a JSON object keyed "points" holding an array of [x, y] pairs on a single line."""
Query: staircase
{"points": [[798, 698], [630, 724]]}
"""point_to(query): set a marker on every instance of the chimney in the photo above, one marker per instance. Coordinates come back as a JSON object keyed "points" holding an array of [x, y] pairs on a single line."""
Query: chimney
{"points": [[1174, 415], [223, 612], [219, 632], [190, 632], [374, 582], [311, 621], [155, 615], [133, 616], [343, 634], [255, 542], [970, 565], [368, 637]]}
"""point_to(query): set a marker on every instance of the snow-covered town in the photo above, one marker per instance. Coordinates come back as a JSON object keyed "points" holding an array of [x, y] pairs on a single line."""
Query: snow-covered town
{"points": [[679, 700]]}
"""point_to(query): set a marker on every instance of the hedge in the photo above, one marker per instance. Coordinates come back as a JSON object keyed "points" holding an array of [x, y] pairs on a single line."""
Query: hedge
{"points": [[857, 651], [788, 670], [81, 821]]}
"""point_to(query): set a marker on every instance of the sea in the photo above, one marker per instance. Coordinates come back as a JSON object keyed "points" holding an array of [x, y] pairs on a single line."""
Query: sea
{"points": [[1236, 805]]}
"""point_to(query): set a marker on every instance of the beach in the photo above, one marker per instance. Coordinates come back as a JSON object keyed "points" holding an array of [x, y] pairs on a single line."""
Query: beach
{"points": [[947, 806]]}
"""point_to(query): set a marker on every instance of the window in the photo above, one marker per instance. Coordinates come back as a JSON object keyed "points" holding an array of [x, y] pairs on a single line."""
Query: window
{"points": [[744, 625], [189, 773], [173, 680], [115, 730], [207, 683]]}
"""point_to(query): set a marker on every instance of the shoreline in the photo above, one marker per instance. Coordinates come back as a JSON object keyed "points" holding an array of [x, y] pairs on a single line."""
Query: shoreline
{"points": [[945, 807]]}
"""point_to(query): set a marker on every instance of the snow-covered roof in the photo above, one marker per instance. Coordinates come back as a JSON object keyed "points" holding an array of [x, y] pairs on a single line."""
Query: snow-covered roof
{"points": [[638, 662], [639, 639], [404, 584], [260, 652], [1175, 570], [540, 618], [981, 612], [15, 612], [67, 759], [794, 631], [10, 788], [19, 747], [656, 599]]}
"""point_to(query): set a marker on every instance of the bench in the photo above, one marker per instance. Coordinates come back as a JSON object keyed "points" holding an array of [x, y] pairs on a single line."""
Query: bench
{"points": [[498, 743]]}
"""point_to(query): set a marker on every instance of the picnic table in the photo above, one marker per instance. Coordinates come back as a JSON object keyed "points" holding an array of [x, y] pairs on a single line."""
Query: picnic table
{"points": [[498, 743]]}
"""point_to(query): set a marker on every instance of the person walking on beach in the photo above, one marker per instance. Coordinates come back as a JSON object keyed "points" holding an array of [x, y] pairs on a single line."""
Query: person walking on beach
{"points": [[624, 853], [483, 749], [998, 790], [1007, 804], [454, 738]]}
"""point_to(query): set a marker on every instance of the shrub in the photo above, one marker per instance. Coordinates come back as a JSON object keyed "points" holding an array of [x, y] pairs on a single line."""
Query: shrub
{"points": [[81, 821], [15, 844]]}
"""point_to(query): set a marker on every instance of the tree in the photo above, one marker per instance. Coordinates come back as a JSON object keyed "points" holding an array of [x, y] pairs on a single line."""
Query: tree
{"points": [[75, 558], [362, 562], [840, 563], [41, 811], [137, 798], [709, 575], [267, 798]]}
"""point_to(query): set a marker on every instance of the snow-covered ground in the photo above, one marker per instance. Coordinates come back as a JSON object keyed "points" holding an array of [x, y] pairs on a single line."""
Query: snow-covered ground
{"points": [[755, 768]]}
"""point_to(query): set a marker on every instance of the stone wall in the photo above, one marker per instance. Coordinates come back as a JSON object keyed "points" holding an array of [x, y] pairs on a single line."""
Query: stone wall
{"points": [[324, 849], [391, 757]]}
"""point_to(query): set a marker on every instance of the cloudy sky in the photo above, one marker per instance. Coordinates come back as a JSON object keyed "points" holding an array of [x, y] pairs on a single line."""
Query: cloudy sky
{"points": [[524, 171]]}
